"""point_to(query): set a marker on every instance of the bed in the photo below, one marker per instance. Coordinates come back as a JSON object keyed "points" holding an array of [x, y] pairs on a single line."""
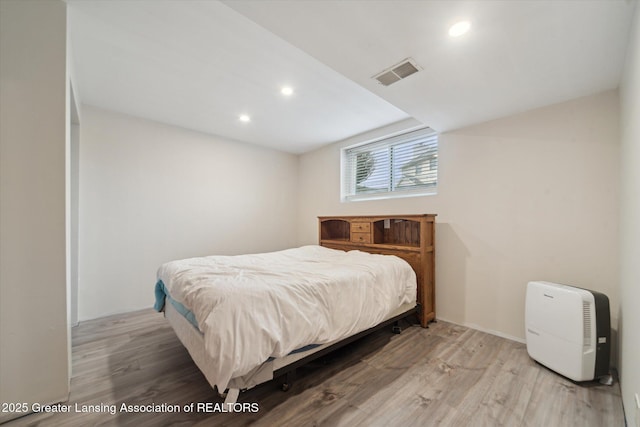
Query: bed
{"points": [[247, 319]]}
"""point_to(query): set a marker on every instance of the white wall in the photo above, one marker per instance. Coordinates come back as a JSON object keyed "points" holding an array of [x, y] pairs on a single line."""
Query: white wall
{"points": [[533, 196], [33, 141], [630, 227], [151, 193]]}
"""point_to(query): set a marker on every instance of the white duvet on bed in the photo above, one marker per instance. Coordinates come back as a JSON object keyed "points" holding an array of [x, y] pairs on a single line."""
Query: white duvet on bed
{"points": [[252, 307]]}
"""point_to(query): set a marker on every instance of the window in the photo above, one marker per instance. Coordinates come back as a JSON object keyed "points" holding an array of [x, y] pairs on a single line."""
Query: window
{"points": [[399, 166]]}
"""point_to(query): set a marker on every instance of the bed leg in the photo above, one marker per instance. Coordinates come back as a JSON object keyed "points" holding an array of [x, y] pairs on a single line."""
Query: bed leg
{"points": [[289, 377], [232, 396], [396, 329]]}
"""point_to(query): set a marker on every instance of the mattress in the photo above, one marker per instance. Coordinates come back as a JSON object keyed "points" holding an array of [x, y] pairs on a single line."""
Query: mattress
{"points": [[250, 308]]}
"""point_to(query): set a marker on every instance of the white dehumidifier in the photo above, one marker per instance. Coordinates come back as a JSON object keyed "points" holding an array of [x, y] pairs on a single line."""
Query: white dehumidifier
{"points": [[568, 330]]}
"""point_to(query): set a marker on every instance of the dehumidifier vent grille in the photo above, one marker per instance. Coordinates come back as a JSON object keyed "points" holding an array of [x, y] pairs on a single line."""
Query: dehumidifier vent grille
{"points": [[586, 321]]}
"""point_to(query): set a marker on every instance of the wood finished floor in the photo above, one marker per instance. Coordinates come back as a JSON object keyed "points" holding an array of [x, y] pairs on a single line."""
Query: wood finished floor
{"points": [[446, 375]]}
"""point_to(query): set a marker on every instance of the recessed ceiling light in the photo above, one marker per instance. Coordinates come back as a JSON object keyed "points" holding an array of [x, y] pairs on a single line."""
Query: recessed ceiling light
{"points": [[244, 118], [459, 28], [286, 90]]}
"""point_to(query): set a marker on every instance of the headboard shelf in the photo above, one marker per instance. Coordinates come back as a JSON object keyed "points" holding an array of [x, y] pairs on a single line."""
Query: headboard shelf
{"points": [[363, 246], [410, 237], [335, 229]]}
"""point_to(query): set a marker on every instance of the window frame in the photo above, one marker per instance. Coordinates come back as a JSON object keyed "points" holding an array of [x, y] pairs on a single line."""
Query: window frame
{"points": [[349, 171]]}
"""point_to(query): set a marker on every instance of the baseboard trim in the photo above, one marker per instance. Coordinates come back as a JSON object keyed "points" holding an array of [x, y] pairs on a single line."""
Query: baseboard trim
{"points": [[481, 329]]}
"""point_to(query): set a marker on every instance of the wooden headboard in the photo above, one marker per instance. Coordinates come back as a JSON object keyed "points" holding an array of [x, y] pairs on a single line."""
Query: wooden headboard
{"points": [[410, 237]]}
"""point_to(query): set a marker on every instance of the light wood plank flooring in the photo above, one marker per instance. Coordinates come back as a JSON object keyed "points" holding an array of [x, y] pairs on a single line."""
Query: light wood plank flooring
{"points": [[446, 375]]}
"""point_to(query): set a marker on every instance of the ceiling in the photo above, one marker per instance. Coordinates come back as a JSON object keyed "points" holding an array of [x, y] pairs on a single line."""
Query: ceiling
{"points": [[200, 64]]}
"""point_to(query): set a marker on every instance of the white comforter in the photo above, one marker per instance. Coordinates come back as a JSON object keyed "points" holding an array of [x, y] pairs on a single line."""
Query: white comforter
{"points": [[252, 307]]}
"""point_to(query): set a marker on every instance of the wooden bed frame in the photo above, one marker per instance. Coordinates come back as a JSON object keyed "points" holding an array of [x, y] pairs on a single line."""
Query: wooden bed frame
{"points": [[410, 237]]}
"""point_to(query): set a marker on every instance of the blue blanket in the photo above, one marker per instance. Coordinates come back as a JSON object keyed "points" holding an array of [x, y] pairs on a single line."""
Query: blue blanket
{"points": [[162, 295]]}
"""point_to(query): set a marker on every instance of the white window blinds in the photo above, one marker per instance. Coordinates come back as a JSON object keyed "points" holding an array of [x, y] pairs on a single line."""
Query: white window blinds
{"points": [[402, 165]]}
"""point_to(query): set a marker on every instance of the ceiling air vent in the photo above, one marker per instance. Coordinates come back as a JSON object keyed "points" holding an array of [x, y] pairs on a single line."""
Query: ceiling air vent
{"points": [[397, 72]]}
